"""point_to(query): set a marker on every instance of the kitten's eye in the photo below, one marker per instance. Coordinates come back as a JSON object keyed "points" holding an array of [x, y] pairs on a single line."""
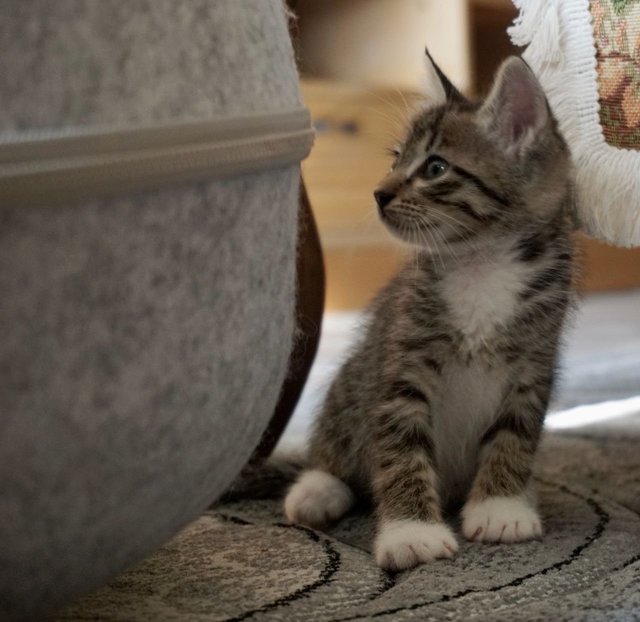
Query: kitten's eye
{"points": [[434, 167]]}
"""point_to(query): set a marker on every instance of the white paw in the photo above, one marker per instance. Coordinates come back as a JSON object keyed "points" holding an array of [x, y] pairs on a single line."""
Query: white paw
{"points": [[500, 519], [317, 498], [404, 544]]}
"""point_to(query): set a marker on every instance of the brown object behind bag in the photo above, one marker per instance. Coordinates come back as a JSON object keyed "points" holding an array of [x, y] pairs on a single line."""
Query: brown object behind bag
{"points": [[310, 288]]}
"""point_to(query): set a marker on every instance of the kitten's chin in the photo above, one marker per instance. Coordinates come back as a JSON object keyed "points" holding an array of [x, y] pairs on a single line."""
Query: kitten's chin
{"points": [[407, 237], [402, 231]]}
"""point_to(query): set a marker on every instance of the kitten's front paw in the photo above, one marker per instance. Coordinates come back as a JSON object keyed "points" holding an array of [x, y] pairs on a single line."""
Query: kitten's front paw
{"points": [[500, 519], [402, 544], [317, 498]]}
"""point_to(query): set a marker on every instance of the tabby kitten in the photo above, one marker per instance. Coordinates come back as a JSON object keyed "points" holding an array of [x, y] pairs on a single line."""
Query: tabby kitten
{"points": [[441, 404]]}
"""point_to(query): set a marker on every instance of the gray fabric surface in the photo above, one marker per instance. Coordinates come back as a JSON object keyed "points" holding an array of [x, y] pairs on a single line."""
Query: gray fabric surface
{"points": [[241, 561], [143, 339], [144, 345], [72, 62]]}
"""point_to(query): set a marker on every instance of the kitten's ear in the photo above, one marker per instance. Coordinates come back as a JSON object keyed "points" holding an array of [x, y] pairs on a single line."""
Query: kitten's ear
{"points": [[438, 88], [516, 110]]}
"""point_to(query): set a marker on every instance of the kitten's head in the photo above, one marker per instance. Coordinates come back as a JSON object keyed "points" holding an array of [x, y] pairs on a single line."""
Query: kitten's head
{"points": [[470, 171]]}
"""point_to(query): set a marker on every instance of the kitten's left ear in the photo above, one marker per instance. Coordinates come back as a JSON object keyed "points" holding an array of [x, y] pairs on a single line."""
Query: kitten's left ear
{"points": [[439, 88], [516, 110]]}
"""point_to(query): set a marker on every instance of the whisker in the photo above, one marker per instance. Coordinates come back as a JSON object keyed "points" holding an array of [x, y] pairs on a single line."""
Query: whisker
{"points": [[446, 243], [408, 109], [435, 231], [439, 214], [434, 245], [390, 103], [397, 123], [469, 243]]}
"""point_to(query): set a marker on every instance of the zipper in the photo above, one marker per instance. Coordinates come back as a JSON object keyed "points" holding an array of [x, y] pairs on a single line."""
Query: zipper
{"points": [[58, 166]]}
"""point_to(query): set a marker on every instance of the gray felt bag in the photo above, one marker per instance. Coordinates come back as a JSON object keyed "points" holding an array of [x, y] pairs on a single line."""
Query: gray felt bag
{"points": [[149, 167]]}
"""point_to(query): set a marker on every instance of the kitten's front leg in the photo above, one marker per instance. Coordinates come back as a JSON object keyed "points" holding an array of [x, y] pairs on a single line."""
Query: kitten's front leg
{"points": [[501, 507], [410, 526]]}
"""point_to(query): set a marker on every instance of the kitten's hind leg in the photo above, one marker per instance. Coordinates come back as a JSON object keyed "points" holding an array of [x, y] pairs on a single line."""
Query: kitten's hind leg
{"points": [[317, 498]]}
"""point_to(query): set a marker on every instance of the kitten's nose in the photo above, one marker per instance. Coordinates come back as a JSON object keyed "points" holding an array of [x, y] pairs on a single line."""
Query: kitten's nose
{"points": [[383, 198]]}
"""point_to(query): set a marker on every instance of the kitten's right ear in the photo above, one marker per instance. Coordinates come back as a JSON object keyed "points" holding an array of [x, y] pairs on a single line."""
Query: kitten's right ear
{"points": [[439, 89], [516, 109]]}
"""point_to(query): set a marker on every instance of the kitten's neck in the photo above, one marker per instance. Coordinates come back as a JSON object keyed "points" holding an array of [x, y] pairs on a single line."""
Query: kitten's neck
{"points": [[481, 289], [484, 251], [526, 244]]}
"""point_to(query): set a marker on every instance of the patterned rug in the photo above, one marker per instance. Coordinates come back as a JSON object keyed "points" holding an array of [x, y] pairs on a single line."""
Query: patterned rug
{"points": [[240, 561]]}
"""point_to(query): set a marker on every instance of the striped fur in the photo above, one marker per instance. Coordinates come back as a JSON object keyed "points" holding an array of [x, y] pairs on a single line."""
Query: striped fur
{"points": [[441, 403]]}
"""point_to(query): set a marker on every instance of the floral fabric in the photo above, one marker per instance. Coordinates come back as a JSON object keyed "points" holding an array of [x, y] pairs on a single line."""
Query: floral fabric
{"points": [[616, 29]]}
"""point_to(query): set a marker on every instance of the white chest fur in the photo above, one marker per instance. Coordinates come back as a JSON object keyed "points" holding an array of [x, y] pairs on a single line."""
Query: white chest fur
{"points": [[466, 406], [482, 293]]}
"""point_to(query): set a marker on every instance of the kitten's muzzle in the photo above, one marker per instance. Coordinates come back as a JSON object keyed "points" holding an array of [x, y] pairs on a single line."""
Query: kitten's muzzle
{"points": [[383, 198]]}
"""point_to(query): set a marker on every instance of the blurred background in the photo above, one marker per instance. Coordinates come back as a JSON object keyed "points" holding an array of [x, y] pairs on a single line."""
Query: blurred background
{"points": [[362, 66]]}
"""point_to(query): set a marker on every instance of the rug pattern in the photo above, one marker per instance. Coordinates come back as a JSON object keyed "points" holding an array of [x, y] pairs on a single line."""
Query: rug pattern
{"points": [[240, 561]]}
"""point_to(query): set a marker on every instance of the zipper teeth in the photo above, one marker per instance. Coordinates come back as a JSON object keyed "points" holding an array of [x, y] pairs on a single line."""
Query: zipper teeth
{"points": [[122, 161], [219, 152], [35, 144]]}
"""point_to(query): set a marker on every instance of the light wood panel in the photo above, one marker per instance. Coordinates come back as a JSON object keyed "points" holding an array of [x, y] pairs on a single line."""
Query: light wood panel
{"points": [[354, 126], [356, 274], [606, 267]]}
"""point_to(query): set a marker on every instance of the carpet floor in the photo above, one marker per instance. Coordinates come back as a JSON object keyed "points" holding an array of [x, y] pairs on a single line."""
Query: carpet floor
{"points": [[241, 561]]}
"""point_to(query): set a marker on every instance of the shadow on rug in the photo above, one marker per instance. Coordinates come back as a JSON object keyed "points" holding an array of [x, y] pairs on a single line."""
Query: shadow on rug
{"points": [[240, 561]]}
